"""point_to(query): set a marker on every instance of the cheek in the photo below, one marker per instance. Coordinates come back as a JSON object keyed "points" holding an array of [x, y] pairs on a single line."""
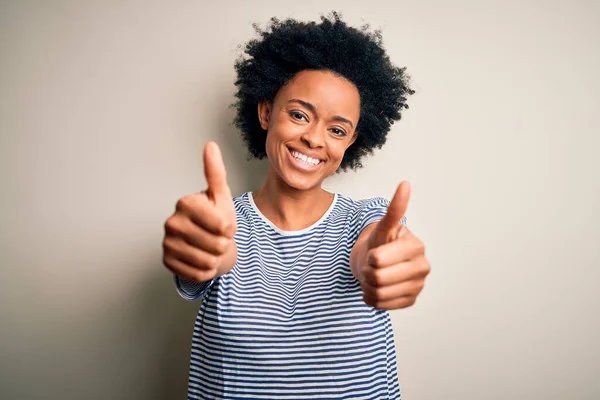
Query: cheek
{"points": [[339, 149], [269, 145], [276, 136], [281, 132]]}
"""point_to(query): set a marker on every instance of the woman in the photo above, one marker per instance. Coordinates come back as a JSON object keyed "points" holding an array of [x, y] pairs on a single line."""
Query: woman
{"points": [[296, 281]]}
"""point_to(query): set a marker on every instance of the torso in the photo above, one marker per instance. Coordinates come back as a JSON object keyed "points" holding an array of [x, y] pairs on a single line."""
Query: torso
{"points": [[289, 321]]}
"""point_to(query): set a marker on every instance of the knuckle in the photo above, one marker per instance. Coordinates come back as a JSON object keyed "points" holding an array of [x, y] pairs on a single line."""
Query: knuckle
{"points": [[168, 246], [377, 278], [406, 301], [212, 262], [168, 263], [415, 289], [195, 259], [227, 224], [223, 226], [199, 276], [170, 224], [221, 245], [183, 203], [368, 274], [188, 203], [375, 258], [203, 276], [211, 274], [173, 226], [426, 268], [229, 229]]}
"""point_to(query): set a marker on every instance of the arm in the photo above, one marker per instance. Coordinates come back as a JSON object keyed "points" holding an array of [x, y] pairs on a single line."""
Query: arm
{"points": [[198, 246], [388, 260]]}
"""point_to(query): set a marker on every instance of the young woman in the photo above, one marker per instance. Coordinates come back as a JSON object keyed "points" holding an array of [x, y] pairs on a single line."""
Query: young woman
{"points": [[296, 281]]}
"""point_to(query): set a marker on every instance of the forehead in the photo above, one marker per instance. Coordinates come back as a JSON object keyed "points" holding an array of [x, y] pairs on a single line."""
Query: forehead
{"points": [[329, 93]]}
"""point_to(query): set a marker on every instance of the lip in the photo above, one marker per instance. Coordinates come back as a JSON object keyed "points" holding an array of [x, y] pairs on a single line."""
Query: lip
{"points": [[299, 164], [305, 153]]}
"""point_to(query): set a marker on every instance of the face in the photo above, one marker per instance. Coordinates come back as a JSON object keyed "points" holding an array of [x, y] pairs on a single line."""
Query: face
{"points": [[310, 124]]}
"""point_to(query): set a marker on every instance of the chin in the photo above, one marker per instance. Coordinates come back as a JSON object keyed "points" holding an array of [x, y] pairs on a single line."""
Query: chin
{"points": [[302, 183]]}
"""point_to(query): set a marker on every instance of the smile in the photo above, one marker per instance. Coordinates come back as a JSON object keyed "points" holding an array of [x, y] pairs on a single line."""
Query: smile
{"points": [[304, 161]]}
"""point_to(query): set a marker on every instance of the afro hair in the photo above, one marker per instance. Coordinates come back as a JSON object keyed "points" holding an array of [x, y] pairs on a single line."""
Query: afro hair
{"points": [[287, 47]]}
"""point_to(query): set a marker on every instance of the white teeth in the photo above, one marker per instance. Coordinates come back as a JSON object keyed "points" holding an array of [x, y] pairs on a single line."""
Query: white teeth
{"points": [[304, 158]]}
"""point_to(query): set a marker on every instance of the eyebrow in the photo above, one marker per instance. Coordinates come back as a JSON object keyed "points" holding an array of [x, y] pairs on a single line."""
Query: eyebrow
{"points": [[312, 108]]}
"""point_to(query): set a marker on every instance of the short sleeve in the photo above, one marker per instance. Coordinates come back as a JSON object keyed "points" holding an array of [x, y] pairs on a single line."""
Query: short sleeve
{"points": [[192, 290]]}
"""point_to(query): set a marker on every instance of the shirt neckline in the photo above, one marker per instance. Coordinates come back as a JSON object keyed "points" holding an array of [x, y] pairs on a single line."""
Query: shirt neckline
{"points": [[296, 232]]}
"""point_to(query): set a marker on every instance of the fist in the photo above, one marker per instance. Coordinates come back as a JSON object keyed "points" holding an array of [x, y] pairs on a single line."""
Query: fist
{"points": [[394, 271], [199, 234]]}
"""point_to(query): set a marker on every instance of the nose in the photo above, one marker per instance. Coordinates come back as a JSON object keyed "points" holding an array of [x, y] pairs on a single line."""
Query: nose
{"points": [[313, 136]]}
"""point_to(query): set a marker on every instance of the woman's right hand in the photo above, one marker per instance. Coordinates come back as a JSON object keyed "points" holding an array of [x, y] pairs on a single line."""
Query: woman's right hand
{"points": [[198, 243]]}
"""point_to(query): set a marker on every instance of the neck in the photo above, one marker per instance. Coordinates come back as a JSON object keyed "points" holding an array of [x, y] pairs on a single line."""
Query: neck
{"points": [[289, 208]]}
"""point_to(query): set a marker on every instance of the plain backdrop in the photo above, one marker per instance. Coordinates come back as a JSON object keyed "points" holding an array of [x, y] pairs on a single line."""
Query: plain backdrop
{"points": [[105, 107]]}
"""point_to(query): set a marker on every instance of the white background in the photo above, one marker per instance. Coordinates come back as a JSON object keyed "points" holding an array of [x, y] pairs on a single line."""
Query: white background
{"points": [[105, 108]]}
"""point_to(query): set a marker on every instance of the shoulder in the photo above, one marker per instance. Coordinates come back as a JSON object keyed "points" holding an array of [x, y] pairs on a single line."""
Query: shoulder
{"points": [[243, 207], [356, 214], [362, 206], [241, 201], [363, 212]]}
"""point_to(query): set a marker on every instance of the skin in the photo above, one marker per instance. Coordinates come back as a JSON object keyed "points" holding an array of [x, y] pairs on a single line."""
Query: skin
{"points": [[316, 114]]}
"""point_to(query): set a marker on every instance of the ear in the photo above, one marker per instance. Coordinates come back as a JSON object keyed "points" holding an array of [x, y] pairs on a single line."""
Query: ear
{"points": [[264, 113]]}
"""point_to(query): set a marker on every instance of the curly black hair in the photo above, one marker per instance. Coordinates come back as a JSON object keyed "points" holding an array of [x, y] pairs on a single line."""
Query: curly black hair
{"points": [[287, 47]]}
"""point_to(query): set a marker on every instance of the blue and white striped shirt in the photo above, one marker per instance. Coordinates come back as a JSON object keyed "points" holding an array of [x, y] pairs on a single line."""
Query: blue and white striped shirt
{"points": [[288, 321]]}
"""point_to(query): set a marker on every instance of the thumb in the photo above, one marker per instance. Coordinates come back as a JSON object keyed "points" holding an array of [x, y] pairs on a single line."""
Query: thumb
{"points": [[389, 226], [216, 175]]}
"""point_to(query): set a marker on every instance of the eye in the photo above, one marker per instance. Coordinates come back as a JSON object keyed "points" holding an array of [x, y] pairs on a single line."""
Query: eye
{"points": [[338, 131], [297, 115]]}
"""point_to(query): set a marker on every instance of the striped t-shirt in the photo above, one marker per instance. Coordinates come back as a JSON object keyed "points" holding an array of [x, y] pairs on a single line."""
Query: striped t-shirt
{"points": [[289, 321]]}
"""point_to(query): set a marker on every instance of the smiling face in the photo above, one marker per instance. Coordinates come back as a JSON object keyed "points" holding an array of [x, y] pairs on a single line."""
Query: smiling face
{"points": [[310, 124]]}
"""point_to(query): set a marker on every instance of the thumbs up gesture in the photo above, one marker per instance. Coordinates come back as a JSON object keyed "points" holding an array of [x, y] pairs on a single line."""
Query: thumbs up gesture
{"points": [[198, 243], [390, 262]]}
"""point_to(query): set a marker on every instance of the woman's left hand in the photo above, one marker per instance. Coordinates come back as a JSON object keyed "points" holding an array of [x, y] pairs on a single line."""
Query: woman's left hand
{"points": [[394, 267]]}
